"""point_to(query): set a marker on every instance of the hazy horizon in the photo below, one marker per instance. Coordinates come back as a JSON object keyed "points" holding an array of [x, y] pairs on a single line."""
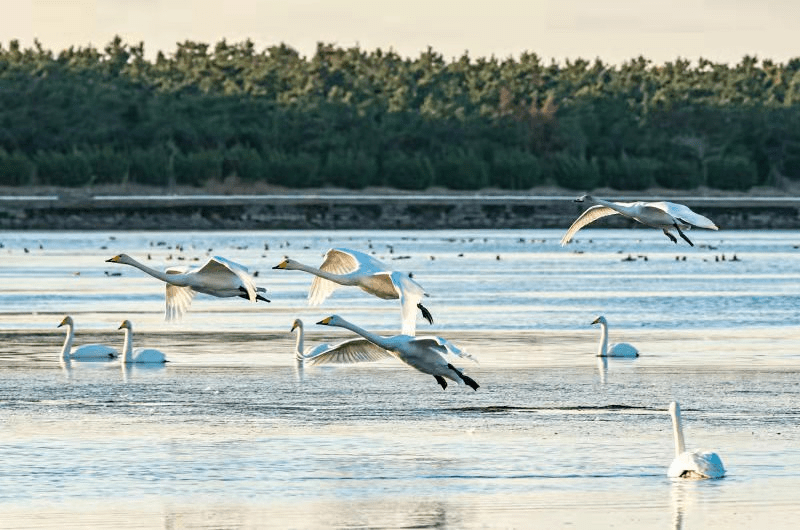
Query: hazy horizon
{"points": [[616, 31]]}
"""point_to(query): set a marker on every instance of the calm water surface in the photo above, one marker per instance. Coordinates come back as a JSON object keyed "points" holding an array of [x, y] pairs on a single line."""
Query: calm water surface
{"points": [[231, 435]]}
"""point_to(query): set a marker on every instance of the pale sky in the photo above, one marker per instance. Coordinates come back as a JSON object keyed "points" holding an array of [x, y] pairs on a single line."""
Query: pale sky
{"points": [[613, 30]]}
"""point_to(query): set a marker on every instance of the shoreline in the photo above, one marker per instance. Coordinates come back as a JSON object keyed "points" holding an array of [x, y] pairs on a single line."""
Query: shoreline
{"points": [[333, 209]]}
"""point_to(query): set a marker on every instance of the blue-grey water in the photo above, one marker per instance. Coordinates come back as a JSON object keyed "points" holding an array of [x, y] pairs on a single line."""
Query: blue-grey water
{"points": [[230, 435]]}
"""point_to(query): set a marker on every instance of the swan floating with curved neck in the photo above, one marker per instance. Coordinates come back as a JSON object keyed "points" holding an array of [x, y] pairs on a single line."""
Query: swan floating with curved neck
{"points": [[218, 277], [622, 349], [139, 355], [662, 215], [343, 266], [347, 352], [87, 352], [426, 354], [691, 464]]}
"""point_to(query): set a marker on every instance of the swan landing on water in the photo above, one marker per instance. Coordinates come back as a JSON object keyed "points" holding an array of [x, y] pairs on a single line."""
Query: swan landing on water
{"points": [[622, 349], [691, 464], [426, 354], [663, 215]]}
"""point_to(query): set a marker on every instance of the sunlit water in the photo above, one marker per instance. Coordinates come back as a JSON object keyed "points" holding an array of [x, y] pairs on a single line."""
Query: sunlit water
{"points": [[230, 435]]}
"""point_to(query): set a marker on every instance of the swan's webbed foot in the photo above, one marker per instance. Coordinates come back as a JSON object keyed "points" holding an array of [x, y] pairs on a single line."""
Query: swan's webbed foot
{"points": [[425, 313], [670, 236], [470, 382], [680, 233], [441, 381]]}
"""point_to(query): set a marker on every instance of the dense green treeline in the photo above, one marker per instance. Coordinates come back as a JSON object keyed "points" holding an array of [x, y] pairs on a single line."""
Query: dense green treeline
{"points": [[352, 118]]}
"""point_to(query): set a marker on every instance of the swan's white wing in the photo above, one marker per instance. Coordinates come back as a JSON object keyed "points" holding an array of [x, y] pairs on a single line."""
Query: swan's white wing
{"points": [[694, 464], [684, 213], [410, 293], [349, 352], [178, 301], [590, 215], [93, 351], [448, 347], [337, 261], [622, 349], [219, 266]]}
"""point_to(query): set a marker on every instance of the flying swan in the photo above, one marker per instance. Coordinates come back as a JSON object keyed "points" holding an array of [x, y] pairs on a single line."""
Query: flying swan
{"points": [[348, 352], [218, 277], [663, 215], [426, 354], [139, 355], [342, 266], [87, 352], [622, 349], [691, 464]]}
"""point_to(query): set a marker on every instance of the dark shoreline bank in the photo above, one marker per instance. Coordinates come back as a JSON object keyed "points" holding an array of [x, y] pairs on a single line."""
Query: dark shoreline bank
{"points": [[354, 211]]}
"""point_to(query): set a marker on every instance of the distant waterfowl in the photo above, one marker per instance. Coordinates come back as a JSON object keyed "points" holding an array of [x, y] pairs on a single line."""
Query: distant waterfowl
{"points": [[217, 277], [622, 349], [87, 352], [426, 354], [691, 464], [663, 215], [348, 352], [139, 355], [349, 267]]}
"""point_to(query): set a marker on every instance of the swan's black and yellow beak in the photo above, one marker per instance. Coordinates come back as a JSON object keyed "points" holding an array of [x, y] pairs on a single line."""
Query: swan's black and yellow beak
{"points": [[325, 321], [596, 320], [121, 325], [281, 265], [294, 326], [63, 323], [115, 259]]}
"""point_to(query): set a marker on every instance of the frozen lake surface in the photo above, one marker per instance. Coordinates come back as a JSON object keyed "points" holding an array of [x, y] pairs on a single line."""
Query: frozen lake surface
{"points": [[230, 435]]}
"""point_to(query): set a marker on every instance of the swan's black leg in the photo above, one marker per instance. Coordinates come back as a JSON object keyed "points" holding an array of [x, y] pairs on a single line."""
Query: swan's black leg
{"points": [[259, 297], [441, 381], [425, 313], [680, 232], [670, 236], [468, 380], [247, 296]]}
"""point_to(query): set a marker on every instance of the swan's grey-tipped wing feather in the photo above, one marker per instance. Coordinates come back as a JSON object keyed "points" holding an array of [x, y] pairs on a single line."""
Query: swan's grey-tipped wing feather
{"points": [[590, 215], [349, 352], [685, 214]]}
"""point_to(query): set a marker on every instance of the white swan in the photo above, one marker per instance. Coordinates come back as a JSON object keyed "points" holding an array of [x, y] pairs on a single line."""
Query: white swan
{"points": [[426, 354], [691, 464], [217, 277], [663, 215], [342, 266], [622, 349], [87, 352], [348, 352], [139, 355]]}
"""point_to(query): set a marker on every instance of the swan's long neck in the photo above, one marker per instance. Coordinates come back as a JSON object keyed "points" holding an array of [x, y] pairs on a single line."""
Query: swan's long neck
{"points": [[127, 346], [372, 337], [335, 278], [67, 343], [677, 429], [602, 351], [153, 272], [299, 345]]}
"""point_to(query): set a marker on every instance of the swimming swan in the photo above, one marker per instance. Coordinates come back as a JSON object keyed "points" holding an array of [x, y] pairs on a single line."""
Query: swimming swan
{"points": [[348, 352], [663, 215], [139, 355], [622, 349], [218, 277], [691, 464], [342, 266], [426, 354], [87, 352]]}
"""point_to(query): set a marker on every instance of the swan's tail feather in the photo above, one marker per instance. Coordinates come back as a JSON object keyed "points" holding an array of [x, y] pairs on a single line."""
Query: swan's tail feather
{"points": [[467, 379], [441, 381], [425, 313]]}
